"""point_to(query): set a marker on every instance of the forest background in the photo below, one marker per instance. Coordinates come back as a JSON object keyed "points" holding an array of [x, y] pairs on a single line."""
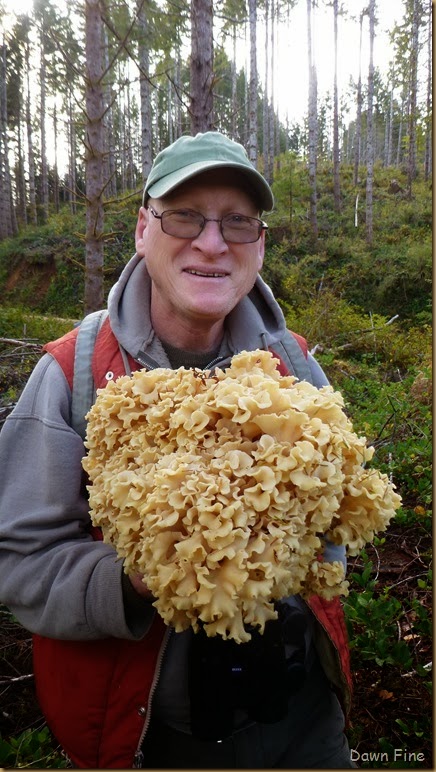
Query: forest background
{"points": [[89, 92]]}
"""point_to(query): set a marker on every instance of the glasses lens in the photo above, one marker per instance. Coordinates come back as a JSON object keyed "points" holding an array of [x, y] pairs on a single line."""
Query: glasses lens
{"points": [[187, 224], [240, 229], [182, 223]]}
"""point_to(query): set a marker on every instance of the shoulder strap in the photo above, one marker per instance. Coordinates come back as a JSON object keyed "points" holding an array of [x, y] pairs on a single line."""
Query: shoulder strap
{"points": [[290, 350], [83, 392]]}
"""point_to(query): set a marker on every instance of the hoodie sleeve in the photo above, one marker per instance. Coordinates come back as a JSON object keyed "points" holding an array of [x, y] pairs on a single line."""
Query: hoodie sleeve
{"points": [[54, 577], [319, 377], [332, 552]]}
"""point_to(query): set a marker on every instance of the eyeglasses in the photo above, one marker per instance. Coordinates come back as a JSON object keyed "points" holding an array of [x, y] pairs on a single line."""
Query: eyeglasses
{"points": [[186, 224]]}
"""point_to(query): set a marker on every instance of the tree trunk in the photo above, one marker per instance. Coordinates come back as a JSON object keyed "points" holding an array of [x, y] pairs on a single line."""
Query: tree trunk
{"points": [[411, 169], [122, 130], [30, 152], [234, 107], [144, 85], [265, 116], [179, 124], [201, 68], [288, 33], [129, 143], [169, 112], [336, 183], [20, 176], [313, 128], [400, 133], [252, 106], [271, 112], [55, 168], [358, 136], [72, 183], [391, 127], [109, 161], [428, 123], [43, 131], [94, 157], [370, 128], [6, 217]]}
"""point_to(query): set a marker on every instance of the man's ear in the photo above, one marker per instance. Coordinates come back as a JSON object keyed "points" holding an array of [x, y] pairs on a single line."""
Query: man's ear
{"points": [[141, 225]]}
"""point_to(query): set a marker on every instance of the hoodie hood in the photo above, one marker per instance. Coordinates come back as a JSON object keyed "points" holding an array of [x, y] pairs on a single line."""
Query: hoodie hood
{"points": [[256, 322]]}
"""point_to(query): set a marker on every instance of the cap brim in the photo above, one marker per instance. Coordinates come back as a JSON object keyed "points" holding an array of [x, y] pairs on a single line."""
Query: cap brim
{"points": [[172, 181]]}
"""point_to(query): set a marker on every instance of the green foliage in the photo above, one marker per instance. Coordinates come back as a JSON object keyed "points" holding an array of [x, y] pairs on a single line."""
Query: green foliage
{"points": [[22, 323], [24, 333], [372, 619], [392, 277], [372, 628], [33, 749], [43, 268], [395, 416], [349, 332]]}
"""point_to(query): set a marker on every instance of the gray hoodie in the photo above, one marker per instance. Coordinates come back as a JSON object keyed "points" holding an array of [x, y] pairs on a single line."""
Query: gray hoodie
{"points": [[56, 580]]}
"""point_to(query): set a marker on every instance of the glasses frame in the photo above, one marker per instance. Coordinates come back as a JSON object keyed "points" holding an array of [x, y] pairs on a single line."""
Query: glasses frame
{"points": [[262, 225]]}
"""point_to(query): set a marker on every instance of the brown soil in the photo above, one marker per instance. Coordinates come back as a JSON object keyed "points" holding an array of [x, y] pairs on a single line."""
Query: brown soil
{"points": [[37, 275]]}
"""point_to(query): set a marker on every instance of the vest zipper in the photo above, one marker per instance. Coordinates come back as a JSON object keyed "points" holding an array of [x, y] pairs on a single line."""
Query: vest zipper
{"points": [[139, 756], [146, 361], [214, 362]]}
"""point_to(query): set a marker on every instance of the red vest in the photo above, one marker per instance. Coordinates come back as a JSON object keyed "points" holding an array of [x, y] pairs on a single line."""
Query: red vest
{"points": [[94, 694]]}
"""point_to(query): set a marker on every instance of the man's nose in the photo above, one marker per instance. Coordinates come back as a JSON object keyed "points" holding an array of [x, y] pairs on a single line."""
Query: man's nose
{"points": [[210, 239]]}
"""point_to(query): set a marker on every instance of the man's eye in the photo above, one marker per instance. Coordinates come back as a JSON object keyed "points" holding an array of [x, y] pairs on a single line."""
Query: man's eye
{"points": [[237, 219], [185, 215]]}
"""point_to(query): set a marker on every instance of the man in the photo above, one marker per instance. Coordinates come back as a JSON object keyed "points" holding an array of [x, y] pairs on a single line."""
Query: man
{"points": [[116, 688]]}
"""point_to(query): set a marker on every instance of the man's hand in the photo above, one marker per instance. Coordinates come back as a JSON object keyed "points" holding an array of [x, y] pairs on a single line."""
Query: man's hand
{"points": [[137, 582]]}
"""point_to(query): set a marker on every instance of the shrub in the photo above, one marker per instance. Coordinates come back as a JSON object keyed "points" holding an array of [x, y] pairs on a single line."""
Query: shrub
{"points": [[33, 748]]}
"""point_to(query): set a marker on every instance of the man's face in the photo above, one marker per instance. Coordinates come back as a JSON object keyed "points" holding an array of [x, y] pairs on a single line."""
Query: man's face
{"points": [[198, 281]]}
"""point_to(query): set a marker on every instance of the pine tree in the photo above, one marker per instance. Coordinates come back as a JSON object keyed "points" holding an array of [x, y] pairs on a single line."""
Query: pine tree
{"points": [[313, 126], [370, 129], [94, 148], [253, 86], [202, 74]]}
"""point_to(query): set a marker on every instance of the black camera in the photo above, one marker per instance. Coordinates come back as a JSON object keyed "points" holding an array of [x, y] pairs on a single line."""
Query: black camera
{"points": [[256, 677]]}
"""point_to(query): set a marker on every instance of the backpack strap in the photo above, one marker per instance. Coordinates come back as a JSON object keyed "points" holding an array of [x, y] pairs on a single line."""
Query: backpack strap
{"points": [[83, 391], [292, 349]]}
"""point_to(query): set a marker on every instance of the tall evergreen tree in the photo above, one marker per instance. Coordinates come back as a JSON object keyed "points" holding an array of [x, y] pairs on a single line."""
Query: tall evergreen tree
{"points": [[428, 123], [7, 220], [94, 158], [144, 82], [415, 15], [358, 133], [336, 183], [253, 86], [370, 128], [313, 126], [201, 68]]}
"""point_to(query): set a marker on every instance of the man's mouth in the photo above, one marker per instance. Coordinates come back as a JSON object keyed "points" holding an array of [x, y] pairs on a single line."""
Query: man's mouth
{"points": [[206, 274]]}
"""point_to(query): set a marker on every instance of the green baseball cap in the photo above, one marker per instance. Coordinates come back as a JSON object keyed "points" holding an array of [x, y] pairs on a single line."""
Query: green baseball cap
{"points": [[189, 156]]}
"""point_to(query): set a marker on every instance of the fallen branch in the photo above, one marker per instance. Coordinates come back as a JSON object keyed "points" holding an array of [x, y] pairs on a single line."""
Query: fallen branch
{"points": [[407, 579], [428, 667], [15, 342], [15, 679]]}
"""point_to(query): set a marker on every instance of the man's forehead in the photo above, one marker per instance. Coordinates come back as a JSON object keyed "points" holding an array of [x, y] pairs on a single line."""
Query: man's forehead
{"points": [[225, 177]]}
